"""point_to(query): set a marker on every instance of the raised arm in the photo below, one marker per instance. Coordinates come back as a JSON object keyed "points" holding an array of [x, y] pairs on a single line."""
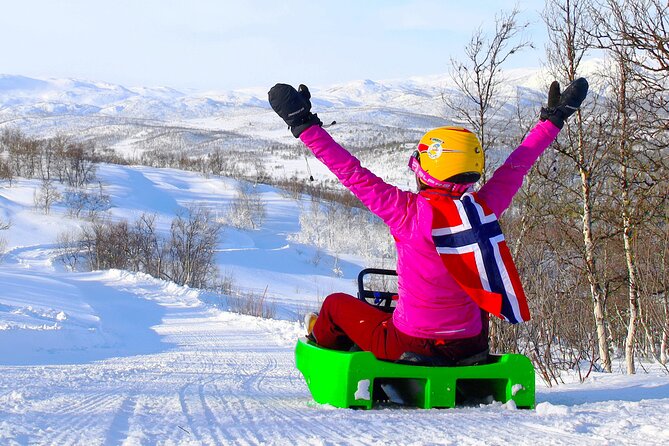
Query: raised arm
{"points": [[498, 192], [386, 201]]}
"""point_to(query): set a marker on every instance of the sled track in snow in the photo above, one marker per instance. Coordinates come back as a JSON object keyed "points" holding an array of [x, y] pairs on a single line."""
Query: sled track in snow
{"points": [[121, 422], [78, 417]]}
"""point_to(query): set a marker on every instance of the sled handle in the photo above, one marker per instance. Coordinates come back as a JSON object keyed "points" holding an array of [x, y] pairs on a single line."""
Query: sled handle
{"points": [[379, 299]]}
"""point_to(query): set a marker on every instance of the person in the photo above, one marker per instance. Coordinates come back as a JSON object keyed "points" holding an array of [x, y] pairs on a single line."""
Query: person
{"points": [[453, 265]]}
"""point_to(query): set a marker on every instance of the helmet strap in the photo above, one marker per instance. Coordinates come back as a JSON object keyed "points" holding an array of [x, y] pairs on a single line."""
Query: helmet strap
{"points": [[414, 165]]}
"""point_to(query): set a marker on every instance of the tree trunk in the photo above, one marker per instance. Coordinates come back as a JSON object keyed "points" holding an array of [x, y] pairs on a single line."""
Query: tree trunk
{"points": [[630, 261], [664, 345], [633, 291], [596, 291]]}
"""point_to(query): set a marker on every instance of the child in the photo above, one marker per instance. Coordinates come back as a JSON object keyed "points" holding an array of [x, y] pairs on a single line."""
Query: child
{"points": [[452, 262]]}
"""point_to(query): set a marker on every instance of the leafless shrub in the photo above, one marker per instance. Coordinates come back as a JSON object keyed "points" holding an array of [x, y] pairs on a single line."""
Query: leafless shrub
{"points": [[57, 158], [252, 303], [86, 202], [341, 229], [226, 283], [76, 168], [230, 164], [6, 173], [150, 251], [3, 247], [194, 235], [247, 210], [4, 225], [107, 245], [186, 257], [69, 249], [46, 196]]}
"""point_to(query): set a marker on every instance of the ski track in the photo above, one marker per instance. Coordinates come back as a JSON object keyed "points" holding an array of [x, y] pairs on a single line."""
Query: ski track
{"points": [[223, 378]]}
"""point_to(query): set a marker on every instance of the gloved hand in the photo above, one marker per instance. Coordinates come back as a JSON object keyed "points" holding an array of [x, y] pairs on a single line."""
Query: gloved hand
{"points": [[294, 107], [562, 105]]}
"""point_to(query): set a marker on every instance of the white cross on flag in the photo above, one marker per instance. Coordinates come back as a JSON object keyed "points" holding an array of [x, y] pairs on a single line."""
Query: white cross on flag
{"points": [[471, 245]]}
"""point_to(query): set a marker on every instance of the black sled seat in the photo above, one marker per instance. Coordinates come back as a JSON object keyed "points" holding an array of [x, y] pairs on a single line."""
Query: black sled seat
{"points": [[358, 380]]}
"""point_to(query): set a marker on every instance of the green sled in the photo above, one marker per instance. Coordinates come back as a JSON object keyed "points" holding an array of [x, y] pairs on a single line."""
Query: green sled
{"points": [[358, 380]]}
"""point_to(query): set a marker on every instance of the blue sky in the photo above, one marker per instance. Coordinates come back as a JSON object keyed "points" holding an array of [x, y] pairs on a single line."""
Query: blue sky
{"points": [[223, 45]]}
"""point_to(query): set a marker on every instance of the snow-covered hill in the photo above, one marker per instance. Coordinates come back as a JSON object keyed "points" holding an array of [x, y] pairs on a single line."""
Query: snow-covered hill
{"points": [[112, 357], [371, 115], [131, 121], [23, 96], [47, 106]]}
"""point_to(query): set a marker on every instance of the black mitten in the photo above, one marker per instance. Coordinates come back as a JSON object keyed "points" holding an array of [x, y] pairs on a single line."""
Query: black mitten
{"points": [[561, 106], [294, 107]]}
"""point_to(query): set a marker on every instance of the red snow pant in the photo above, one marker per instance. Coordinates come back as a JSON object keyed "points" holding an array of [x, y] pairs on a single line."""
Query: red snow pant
{"points": [[345, 320]]}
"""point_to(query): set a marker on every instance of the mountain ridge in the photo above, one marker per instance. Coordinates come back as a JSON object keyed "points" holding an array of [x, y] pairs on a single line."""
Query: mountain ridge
{"points": [[24, 95], [134, 120]]}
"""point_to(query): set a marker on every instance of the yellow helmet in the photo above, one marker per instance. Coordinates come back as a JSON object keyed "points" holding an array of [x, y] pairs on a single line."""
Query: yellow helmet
{"points": [[452, 154]]}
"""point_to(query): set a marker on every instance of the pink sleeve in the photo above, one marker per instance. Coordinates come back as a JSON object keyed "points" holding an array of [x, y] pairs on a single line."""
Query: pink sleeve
{"points": [[498, 192], [386, 201]]}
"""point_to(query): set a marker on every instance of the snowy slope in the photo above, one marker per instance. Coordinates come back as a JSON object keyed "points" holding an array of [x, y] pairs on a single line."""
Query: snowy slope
{"points": [[118, 358], [219, 378]]}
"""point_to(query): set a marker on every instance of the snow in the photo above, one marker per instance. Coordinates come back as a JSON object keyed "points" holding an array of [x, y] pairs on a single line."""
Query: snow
{"points": [[113, 357], [362, 392]]}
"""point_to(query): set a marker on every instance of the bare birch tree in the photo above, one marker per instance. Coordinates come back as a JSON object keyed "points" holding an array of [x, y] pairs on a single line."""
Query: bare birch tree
{"points": [[567, 21], [634, 33], [478, 78]]}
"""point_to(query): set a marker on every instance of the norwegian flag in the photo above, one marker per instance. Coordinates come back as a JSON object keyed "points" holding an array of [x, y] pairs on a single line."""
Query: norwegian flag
{"points": [[471, 245]]}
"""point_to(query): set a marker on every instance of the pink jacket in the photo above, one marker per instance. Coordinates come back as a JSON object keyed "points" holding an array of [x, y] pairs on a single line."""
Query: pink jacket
{"points": [[431, 304]]}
